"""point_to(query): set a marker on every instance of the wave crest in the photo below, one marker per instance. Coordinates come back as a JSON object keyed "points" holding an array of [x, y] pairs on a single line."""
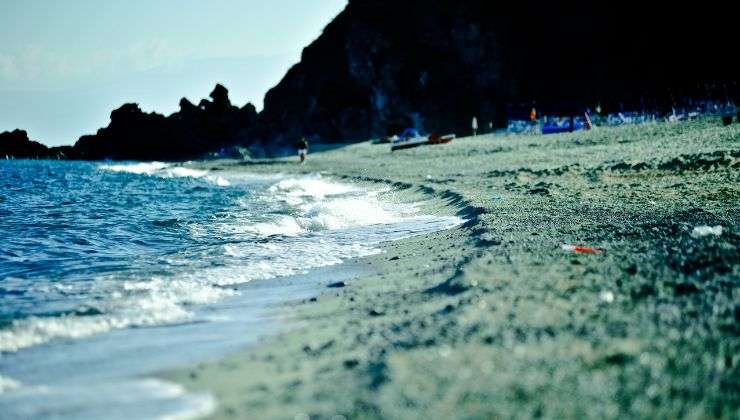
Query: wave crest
{"points": [[164, 170]]}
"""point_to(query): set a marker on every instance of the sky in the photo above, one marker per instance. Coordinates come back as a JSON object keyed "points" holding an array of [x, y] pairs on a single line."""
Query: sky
{"points": [[65, 65]]}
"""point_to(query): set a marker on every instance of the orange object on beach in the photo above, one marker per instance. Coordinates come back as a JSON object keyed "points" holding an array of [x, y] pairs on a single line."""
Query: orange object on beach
{"points": [[582, 249]]}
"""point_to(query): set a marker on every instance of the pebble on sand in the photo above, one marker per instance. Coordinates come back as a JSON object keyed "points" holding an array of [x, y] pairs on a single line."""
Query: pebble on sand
{"points": [[606, 296], [701, 231]]}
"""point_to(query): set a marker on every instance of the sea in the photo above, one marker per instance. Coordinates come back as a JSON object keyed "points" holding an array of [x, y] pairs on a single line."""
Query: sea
{"points": [[113, 272]]}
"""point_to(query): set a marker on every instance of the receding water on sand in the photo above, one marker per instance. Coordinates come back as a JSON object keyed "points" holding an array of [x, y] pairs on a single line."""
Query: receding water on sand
{"points": [[106, 375], [109, 273]]}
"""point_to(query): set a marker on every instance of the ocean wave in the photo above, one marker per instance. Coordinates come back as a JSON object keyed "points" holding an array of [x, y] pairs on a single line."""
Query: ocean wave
{"points": [[142, 168], [318, 204], [298, 190], [342, 213], [192, 406], [151, 302], [265, 261], [282, 225], [181, 172], [164, 170], [222, 182]]}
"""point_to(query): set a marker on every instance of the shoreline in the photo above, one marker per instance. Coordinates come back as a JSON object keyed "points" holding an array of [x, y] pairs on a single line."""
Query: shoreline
{"points": [[495, 318]]}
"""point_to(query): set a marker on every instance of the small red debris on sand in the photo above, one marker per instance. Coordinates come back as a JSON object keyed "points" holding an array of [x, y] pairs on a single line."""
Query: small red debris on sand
{"points": [[581, 249], [435, 138]]}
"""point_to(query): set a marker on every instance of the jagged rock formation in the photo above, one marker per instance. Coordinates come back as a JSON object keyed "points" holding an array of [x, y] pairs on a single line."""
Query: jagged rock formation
{"points": [[382, 65], [192, 132], [214, 125], [16, 144]]}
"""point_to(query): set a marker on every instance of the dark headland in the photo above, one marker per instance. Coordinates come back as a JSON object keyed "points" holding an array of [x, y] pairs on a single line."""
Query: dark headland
{"points": [[381, 66]]}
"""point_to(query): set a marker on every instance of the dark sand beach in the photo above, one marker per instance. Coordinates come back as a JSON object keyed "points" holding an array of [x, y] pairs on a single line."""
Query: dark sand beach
{"points": [[500, 318]]}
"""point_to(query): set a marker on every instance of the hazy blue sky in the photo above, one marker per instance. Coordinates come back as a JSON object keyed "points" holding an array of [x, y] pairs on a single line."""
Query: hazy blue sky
{"points": [[65, 64]]}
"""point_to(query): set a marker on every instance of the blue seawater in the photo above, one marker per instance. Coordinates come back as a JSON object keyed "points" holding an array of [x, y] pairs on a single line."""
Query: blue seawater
{"points": [[96, 258]]}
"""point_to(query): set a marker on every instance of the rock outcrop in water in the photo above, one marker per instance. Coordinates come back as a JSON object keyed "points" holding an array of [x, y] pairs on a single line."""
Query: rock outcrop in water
{"points": [[382, 65], [16, 144], [213, 126], [192, 132]]}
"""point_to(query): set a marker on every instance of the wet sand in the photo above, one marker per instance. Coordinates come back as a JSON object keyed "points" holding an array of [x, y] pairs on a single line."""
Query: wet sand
{"points": [[498, 319]]}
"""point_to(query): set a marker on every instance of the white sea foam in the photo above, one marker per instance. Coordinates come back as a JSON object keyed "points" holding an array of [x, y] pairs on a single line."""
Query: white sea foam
{"points": [[222, 182], [164, 170], [142, 168], [318, 204], [282, 225], [266, 261], [315, 187], [8, 384], [319, 211], [156, 301], [347, 212], [192, 405], [120, 399], [183, 172]]}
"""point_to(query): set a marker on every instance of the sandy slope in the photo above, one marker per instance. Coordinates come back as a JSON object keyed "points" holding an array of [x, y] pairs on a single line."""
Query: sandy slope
{"points": [[495, 319]]}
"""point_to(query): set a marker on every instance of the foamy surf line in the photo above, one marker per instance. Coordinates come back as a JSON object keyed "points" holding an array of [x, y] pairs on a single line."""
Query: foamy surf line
{"points": [[155, 398], [165, 170], [316, 205]]}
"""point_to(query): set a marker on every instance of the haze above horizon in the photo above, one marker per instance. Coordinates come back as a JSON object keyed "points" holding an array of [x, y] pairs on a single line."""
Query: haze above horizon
{"points": [[64, 66]]}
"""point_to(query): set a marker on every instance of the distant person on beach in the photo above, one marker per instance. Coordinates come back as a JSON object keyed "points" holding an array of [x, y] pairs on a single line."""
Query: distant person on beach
{"points": [[533, 115], [475, 126], [587, 124], [302, 147]]}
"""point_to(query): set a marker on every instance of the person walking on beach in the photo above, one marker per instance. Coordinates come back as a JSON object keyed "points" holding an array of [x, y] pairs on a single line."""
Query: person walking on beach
{"points": [[475, 126], [302, 147]]}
